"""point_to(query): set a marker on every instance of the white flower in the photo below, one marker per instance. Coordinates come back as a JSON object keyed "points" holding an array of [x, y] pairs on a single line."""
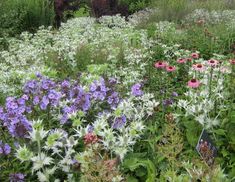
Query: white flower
{"points": [[40, 161]]}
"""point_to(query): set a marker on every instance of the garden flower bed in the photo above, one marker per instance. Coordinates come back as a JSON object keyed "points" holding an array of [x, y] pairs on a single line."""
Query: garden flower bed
{"points": [[104, 100]]}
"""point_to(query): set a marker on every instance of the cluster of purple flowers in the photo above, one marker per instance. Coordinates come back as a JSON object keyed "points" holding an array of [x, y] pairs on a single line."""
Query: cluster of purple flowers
{"points": [[79, 100], [43, 93], [14, 116], [5, 149]]}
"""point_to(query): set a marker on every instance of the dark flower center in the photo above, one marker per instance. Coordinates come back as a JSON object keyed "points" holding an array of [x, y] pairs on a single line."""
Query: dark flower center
{"points": [[193, 80]]}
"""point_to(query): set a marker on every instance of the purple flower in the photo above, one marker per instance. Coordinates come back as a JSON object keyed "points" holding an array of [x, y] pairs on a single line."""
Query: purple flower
{"points": [[47, 84], [16, 177], [98, 89], [112, 81], [54, 97], [175, 94], [113, 100], [5, 149], [36, 100], [21, 101], [44, 103], [20, 127], [30, 87], [136, 90], [119, 122], [167, 102]]}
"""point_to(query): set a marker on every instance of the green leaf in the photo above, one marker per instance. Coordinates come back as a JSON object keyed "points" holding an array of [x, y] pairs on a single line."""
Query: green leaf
{"points": [[220, 132]]}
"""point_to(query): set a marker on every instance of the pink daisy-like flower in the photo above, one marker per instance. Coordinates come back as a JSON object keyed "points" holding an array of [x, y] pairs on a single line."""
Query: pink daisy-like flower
{"points": [[160, 64], [181, 61], [212, 62], [195, 55], [170, 68], [232, 61], [198, 67], [193, 83]]}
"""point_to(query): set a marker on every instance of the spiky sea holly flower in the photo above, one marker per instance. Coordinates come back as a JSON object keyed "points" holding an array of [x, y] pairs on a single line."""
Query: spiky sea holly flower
{"points": [[5, 149], [23, 154], [119, 122], [136, 90], [16, 177], [193, 83]]}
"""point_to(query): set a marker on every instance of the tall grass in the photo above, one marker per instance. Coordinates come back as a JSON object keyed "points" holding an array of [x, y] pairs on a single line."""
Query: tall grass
{"points": [[175, 10], [31, 13]]}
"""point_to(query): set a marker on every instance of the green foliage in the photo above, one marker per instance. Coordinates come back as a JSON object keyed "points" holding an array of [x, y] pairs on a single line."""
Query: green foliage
{"points": [[136, 5], [23, 15], [144, 169]]}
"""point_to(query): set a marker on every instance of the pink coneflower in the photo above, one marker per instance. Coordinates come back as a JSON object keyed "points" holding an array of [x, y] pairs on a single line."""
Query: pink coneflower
{"points": [[193, 83], [212, 62], [181, 61], [170, 68], [232, 61], [198, 67], [195, 55], [160, 64]]}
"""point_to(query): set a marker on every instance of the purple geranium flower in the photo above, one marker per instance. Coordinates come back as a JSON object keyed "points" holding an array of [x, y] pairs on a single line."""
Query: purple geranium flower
{"points": [[16, 177], [136, 90]]}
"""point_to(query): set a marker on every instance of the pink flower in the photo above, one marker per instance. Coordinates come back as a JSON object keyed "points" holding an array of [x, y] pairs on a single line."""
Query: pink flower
{"points": [[160, 64], [193, 83], [212, 62], [181, 61], [232, 61], [198, 67], [170, 68], [90, 138], [195, 55]]}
